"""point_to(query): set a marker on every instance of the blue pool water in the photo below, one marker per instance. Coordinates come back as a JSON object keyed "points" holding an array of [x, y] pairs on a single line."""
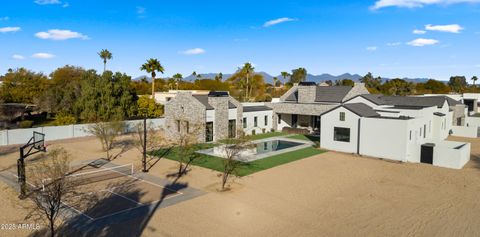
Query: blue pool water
{"points": [[275, 145]]}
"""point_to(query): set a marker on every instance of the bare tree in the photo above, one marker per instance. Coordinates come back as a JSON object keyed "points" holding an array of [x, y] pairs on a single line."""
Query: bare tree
{"points": [[107, 133], [154, 138], [232, 160], [51, 187], [185, 140]]}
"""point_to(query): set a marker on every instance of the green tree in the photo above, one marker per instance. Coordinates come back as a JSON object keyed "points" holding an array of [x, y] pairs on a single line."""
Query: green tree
{"points": [[22, 86], [219, 77], [398, 87], [345, 82], [247, 70], [474, 79], [457, 83], [178, 78], [432, 86], [298, 75], [105, 55], [285, 75], [275, 80], [372, 84], [152, 66], [149, 105]]}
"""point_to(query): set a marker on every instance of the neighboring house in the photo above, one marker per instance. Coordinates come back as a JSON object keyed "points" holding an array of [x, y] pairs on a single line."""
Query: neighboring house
{"points": [[164, 97]]}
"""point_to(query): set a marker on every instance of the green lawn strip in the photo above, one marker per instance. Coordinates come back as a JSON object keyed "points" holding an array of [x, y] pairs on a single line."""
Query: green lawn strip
{"points": [[216, 163]]}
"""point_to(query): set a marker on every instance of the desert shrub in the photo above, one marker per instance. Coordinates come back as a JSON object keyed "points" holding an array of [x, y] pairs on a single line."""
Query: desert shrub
{"points": [[64, 119]]}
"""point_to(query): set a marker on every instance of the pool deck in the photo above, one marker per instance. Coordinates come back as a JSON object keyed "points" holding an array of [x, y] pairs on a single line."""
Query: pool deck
{"points": [[250, 158]]}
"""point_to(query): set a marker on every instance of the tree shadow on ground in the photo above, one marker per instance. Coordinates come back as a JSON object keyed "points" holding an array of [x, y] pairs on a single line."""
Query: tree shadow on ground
{"points": [[124, 146], [132, 215]]}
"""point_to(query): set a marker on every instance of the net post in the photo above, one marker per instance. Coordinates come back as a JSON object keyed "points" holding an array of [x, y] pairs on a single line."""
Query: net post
{"points": [[21, 175]]}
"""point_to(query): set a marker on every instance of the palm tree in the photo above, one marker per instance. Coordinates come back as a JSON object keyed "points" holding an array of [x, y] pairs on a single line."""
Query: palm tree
{"points": [[285, 75], [152, 66], [247, 70], [105, 55], [474, 79], [275, 79], [178, 78]]}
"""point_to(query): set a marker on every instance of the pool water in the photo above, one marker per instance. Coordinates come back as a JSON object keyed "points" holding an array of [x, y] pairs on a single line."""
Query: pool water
{"points": [[275, 145]]}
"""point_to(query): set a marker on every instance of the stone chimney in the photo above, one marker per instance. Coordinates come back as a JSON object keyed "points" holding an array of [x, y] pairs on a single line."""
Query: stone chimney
{"points": [[307, 94], [220, 123]]}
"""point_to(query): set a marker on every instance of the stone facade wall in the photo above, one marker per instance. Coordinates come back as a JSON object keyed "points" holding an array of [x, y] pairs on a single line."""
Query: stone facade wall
{"points": [[304, 109], [185, 107], [306, 94], [239, 114], [220, 124], [358, 89], [458, 112]]}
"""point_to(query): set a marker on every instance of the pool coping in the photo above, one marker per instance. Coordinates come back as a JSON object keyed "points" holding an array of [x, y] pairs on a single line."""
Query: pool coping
{"points": [[251, 158]]}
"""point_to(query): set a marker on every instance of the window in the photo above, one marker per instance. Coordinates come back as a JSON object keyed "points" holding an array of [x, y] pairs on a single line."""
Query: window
{"points": [[266, 120], [244, 122], [209, 132], [420, 132], [178, 125], [232, 126], [341, 134], [255, 121], [279, 119], [410, 135], [342, 116], [424, 130], [187, 125]]}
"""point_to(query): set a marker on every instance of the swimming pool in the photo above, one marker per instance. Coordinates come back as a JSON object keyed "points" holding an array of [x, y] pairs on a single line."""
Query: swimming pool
{"points": [[261, 148]]}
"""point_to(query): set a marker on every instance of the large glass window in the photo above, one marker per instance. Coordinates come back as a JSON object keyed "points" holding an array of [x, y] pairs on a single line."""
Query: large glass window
{"points": [[244, 122], [266, 120], [341, 134], [255, 121], [209, 132]]}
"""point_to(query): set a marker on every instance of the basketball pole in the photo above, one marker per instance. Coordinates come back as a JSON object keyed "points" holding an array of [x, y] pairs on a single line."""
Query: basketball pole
{"points": [[144, 160], [21, 175]]}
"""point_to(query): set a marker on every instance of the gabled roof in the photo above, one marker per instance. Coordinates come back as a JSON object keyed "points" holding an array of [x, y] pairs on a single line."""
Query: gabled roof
{"points": [[374, 98], [359, 109], [292, 97], [204, 100], [331, 93]]}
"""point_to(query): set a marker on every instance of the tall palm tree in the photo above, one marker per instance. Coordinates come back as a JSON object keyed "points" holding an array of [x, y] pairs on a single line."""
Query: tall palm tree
{"points": [[178, 78], [474, 79], [275, 79], [105, 55], [152, 66], [285, 75], [247, 70]]}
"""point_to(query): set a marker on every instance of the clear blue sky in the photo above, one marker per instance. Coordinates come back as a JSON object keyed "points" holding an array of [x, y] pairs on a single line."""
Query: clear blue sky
{"points": [[217, 36]]}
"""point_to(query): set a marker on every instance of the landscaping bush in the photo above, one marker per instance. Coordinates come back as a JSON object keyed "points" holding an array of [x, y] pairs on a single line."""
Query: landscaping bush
{"points": [[25, 124], [64, 119]]}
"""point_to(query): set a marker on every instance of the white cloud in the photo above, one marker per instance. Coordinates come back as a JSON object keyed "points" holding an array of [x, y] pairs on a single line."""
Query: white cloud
{"points": [[420, 42], [194, 51], [453, 28], [47, 2], [416, 3], [371, 48], [18, 57], [393, 44], [43, 56], [419, 32], [278, 21], [56, 34], [9, 29], [5, 18]]}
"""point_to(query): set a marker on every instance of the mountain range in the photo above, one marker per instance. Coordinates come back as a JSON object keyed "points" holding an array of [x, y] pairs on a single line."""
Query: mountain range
{"points": [[313, 78]]}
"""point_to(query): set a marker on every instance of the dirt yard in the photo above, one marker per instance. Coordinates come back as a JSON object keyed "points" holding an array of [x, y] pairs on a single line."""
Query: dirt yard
{"points": [[331, 194]]}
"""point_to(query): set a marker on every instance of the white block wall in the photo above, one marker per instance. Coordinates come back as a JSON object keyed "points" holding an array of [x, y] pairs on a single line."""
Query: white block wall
{"points": [[260, 121]]}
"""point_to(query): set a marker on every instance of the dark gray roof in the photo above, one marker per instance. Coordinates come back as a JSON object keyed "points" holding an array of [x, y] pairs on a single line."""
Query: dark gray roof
{"points": [[331, 93], [256, 108], [292, 97], [361, 109], [204, 100], [374, 98], [414, 101]]}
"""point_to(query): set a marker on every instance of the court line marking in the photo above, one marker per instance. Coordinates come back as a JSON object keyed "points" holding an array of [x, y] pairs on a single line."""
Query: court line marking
{"points": [[122, 196], [62, 202]]}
